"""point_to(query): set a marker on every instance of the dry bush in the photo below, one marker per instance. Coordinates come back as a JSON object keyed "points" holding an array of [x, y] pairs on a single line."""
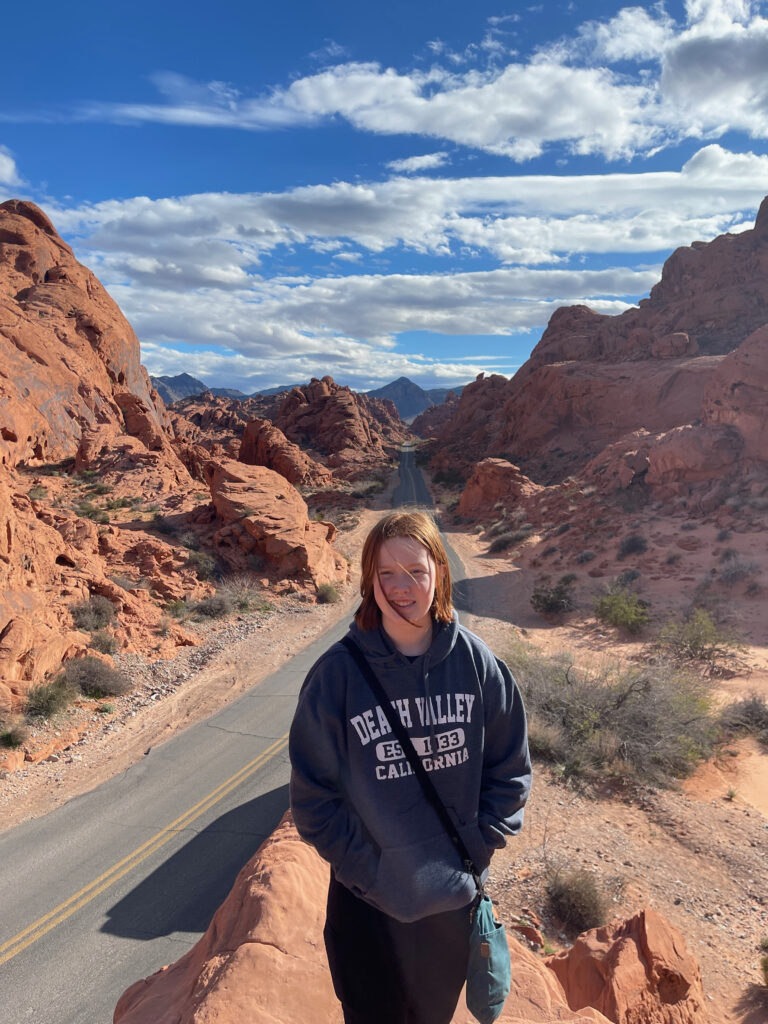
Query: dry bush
{"points": [[577, 899], [327, 593], [94, 613], [651, 724], [245, 592], [13, 733], [47, 699], [215, 607], [94, 678], [697, 638]]}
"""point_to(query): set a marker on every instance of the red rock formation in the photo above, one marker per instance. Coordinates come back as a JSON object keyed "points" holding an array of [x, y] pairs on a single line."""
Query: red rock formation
{"points": [[635, 972], [354, 431], [494, 480], [264, 444], [262, 959], [593, 379], [430, 422], [266, 515]]}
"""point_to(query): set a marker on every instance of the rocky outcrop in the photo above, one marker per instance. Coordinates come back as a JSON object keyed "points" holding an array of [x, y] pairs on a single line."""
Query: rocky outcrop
{"points": [[494, 480], [264, 444], [262, 958], [353, 431], [635, 972], [430, 422], [264, 515], [694, 351]]}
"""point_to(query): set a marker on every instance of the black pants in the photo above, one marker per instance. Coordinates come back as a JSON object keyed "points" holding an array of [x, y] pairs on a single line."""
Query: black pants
{"points": [[388, 972]]}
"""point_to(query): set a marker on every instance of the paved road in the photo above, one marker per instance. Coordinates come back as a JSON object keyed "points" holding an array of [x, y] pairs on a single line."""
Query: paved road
{"points": [[124, 879]]}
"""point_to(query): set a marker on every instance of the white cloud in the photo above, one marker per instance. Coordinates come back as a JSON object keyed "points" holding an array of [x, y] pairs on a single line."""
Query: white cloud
{"points": [[633, 34], [411, 164], [9, 174]]}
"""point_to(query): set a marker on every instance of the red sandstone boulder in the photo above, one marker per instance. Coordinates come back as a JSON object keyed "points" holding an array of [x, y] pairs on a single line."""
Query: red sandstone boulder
{"points": [[263, 961], [264, 514], [635, 972], [494, 480], [264, 444]]}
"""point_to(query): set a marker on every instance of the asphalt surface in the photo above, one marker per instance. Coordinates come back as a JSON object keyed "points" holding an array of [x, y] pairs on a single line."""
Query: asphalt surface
{"points": [[122, 880]]}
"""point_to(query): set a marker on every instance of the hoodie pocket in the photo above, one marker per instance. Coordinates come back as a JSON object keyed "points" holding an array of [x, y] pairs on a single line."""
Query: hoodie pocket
{"points": [[420, 879], [476, 845]]}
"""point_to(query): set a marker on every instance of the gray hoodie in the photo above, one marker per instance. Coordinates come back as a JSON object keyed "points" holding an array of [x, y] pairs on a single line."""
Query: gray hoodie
{"points": [[353, 793]]}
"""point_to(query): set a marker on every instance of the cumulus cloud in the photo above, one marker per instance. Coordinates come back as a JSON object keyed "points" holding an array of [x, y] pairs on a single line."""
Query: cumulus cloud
{"points": [[9, 174], [412, 164]]}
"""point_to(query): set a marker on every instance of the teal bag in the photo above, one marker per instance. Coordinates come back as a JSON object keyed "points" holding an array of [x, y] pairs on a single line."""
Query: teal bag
{"points": [[489, 973]]}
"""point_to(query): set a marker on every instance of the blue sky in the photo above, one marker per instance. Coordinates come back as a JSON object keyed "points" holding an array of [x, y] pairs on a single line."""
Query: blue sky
{"points": [[277, 191]]}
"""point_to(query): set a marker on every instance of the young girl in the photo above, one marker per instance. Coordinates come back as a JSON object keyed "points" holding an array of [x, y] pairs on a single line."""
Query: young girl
{"points": [[397, 923]]}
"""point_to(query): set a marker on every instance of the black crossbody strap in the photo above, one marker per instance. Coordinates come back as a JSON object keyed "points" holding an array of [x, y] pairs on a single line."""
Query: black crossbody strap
{"points": [[413, 758]]}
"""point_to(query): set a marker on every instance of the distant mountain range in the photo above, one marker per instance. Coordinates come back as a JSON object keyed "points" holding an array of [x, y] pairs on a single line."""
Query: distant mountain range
{"points": [[408, 398]]}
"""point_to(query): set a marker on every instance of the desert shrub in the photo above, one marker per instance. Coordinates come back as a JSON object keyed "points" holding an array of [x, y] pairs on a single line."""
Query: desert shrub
{"points": [[746, 717], [89, 511], [674, 558], [123, 581], [102, 641], [367, 488], [203, 564], [177, 607], [189, 539], [697, 638], [632, 544], [622, 609], [653, 723], [116, 503], [494, 529], [624, 579], [163, 525], [577, 899], [735, 570], [328, 594], [561, 529], [689, 526], [552, 599], [245, 593], [449, 477], [106, 709], [724, 534], [37, 492], [585, 556], [47, 699], [215, 607], [764, 969], [549, 551], [94, 678], [100, 489], [13, 734], [94, 613], [500, 543]]}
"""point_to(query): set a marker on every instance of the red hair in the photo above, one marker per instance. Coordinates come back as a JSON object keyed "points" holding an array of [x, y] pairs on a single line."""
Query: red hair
{"points": [[422, 528]]}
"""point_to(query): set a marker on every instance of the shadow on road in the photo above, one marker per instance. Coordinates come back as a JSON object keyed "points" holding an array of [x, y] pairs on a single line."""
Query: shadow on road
{"points": [[185, 891], [480, 596]]}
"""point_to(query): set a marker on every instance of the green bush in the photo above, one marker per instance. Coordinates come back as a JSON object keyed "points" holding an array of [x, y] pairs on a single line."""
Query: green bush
{"points": [[632, 544], [697, 638], [37, 492], [190, 540], [553, 599], [328, 594], [746, 717], [89, 511], [178, 608], [577, 900], [203, 564], [585, 556], [622, 609], [163, 525], [94, 613], [103, 642], [106, 709], [215, 607], [117, 503], [653, 723], [94, 678], [48, 699], [13, 734]]}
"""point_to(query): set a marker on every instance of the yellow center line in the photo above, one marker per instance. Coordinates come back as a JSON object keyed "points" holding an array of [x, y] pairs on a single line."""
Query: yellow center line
{"points": [[35, 931]]}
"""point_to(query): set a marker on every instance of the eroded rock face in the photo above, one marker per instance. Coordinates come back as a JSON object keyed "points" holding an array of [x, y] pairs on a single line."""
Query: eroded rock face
{"points": [[635, 972], [264, 444], [353, 431], [494, 480], [696, 350], [430, 422], [262, 959], [264, 514]]}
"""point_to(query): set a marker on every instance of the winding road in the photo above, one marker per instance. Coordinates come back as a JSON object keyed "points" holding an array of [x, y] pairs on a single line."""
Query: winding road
{"points": [[117, 882]]}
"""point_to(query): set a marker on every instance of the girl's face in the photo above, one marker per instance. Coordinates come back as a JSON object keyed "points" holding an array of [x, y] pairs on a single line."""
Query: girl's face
{"points": [[404, 586]]}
